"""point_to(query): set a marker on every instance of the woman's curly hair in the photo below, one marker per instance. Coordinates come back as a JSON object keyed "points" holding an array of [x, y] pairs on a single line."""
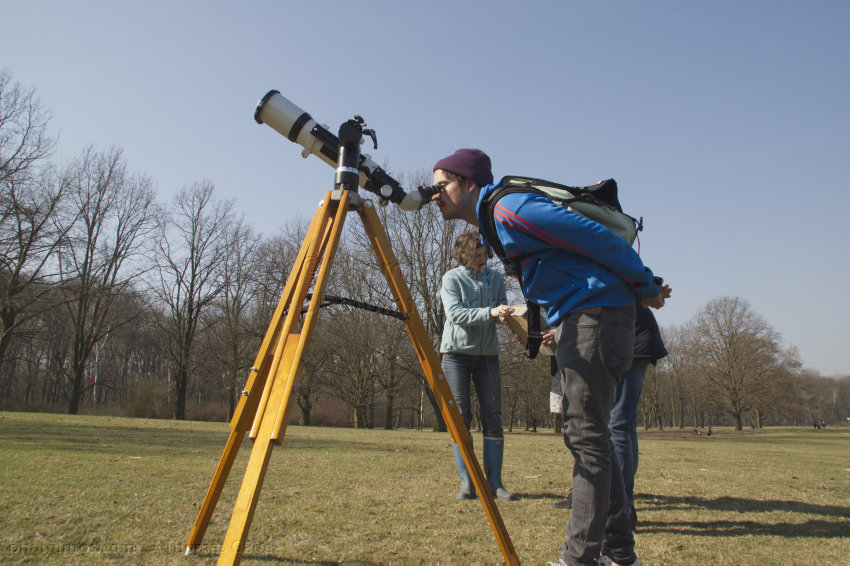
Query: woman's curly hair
{"points": [[466, 244]]}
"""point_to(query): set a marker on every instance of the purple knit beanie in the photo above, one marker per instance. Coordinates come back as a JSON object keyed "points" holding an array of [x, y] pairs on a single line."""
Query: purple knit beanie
{"points": [[468, 163]]}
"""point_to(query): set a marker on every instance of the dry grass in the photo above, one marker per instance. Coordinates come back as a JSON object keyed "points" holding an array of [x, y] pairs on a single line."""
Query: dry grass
{"points": [[99, 490]]}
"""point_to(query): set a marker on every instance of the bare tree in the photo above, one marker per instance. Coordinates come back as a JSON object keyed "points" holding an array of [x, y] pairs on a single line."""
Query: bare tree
{"points": [[273, 262], [193, 249], [775, 391], [30, 233], [422, 241], [24, 142], [824, 399], [738, 353], [652, 398], [354, 339], [51, 352], [525, 384], [233, 337], [113, 361], [30, 195], [113, 213], [393, 378], [677, 371]]}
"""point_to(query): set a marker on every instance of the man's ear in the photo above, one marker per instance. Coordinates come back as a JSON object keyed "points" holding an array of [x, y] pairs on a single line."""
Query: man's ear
{"points": [[471, 186]]}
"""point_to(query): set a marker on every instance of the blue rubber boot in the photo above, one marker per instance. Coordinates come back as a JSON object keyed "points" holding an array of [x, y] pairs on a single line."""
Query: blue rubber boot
{"points": [[494, 450], [467, 490]]}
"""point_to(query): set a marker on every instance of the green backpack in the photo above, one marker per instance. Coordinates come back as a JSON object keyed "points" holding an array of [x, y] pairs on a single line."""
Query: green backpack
{"points": [[597, 202]]}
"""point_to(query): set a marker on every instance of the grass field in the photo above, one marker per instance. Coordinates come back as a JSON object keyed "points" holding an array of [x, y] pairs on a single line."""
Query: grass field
{"points": [[101, 490]]}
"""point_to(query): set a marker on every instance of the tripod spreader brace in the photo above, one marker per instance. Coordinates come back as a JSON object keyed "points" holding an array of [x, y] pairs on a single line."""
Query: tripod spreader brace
{"points": [[334, 300]]}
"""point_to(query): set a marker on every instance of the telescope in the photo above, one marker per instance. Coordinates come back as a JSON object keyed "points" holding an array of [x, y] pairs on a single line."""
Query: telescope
{"points": [[287, 119]]}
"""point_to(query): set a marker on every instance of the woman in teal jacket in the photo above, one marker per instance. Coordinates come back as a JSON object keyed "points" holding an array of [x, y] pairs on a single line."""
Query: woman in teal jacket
{"points": [[473, 299]]}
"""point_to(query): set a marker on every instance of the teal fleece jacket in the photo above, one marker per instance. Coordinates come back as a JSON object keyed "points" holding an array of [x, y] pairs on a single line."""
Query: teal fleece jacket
{"points": [[468, 295]]}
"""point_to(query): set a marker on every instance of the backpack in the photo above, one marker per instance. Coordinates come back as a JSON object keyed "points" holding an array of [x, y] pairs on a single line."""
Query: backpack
{"points": [[597, 202]]}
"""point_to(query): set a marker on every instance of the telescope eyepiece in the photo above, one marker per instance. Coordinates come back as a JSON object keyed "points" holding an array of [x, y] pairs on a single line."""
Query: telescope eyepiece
{"points": [[427, 193], [419, 197]]}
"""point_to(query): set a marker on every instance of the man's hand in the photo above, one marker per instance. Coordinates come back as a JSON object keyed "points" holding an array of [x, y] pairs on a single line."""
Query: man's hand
{"points": [[549, 337], [655, 302]]}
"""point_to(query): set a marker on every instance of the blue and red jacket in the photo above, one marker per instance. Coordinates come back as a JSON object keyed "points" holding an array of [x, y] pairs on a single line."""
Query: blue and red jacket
{"points": [[572, 263]]}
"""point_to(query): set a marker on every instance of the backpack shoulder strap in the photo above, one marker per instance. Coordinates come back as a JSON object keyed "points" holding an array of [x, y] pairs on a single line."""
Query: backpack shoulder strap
{"points": [[513, 264], [507, 185], [535, 333]]}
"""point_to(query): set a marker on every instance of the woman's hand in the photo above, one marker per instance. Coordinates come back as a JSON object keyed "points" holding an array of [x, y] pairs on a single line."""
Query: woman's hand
{"points": [[502, 311]]}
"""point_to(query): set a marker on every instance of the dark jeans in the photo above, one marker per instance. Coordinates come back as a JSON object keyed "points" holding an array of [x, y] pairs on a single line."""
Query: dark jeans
{"points": [[624, 424], [594, 348], [482, 371]]}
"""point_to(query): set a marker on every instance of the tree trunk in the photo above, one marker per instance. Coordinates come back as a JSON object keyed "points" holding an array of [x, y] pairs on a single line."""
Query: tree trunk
{"points": [[180, 394], [358, 417], [77, 373], [232, 401], [7, 321], [739, 422], [388, 411], [305, 406], [439, 422]]}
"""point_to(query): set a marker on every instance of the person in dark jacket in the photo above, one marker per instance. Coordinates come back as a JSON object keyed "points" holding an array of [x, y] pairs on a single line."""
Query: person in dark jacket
{"points": [[649, 348]]}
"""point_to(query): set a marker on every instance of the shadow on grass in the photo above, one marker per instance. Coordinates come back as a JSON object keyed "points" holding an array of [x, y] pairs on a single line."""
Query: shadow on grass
{"points": [[102, 437], [271, 559], [815, 528], [553, 497]]}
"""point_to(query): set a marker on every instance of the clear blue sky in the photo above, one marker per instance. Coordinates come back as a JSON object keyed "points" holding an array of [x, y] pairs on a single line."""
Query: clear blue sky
{"points": [[726, 123]]}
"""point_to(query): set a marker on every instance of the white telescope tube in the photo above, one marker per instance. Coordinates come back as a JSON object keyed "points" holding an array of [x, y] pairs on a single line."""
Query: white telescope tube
{"points": [[289, 120]]}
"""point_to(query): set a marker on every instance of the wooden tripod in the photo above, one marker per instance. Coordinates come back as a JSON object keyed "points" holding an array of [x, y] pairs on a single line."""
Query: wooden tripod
{"points": [[263, 409]]}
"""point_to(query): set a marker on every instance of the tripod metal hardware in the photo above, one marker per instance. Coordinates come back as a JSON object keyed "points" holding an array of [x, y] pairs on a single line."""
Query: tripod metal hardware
{"points": [[263, 408]]}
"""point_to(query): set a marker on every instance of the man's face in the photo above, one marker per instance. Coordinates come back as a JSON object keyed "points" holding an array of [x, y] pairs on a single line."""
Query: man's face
{"points": [[455, 201]]}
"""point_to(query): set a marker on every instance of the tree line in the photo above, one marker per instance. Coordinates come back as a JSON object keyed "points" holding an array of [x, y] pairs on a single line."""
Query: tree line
{"points": [[113, 302]]}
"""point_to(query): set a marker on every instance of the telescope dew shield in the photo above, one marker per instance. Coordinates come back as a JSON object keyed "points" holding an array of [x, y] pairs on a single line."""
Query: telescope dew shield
{"points": [[287, 119], [298, 126]]}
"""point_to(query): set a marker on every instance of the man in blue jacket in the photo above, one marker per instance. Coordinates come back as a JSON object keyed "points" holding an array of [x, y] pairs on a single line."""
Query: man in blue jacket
{"points": [[587, 280]]}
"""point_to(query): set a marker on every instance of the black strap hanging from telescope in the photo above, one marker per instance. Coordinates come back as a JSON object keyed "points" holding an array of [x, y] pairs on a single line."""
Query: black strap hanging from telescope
{"points": [[334, 300]]}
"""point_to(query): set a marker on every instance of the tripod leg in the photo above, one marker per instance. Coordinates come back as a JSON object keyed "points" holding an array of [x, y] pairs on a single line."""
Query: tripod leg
{"points": [[270, 424], [199, 529], [249, 402], [316, 241], [434, 373], [258, 462], [247, 407], [328, 252]]}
